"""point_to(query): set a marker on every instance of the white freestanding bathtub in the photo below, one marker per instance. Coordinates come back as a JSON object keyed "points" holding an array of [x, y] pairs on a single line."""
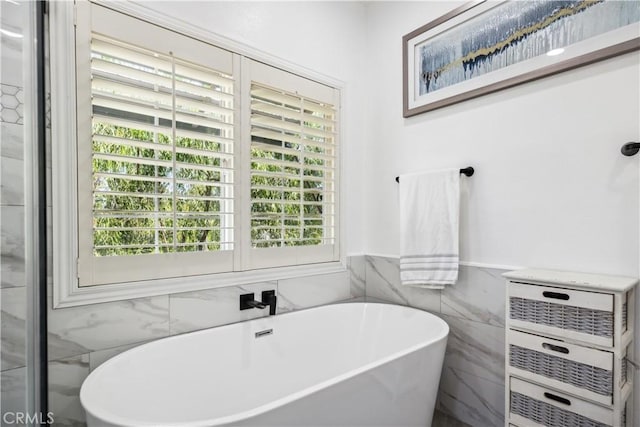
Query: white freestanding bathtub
{"points": [[358, 364]]}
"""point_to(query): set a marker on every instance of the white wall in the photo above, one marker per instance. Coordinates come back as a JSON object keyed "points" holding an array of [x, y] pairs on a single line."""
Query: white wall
{"points": [[551, 188], [326, 37]]}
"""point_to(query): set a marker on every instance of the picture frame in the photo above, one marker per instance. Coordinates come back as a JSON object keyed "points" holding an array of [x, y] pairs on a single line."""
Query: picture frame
{"points": [[483, 47]]}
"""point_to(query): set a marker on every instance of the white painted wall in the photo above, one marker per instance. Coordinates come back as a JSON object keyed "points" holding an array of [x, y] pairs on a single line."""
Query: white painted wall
{"points": [[326, 37], [551, 188]]}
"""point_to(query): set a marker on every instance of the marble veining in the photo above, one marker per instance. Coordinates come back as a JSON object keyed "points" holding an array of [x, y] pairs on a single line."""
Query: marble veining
{"points": [[190, 311], [60, 347], [383, 282], [440, 419], [65, 379], [310, 291], [13, 330], [357, 266], [100, 326], [475, 348], [471, 399], [12, 141], [12, 17], [383, 279], [47, 124], [11, 181], [11, 70], [478, 295], [12, 261], [12, 391]]}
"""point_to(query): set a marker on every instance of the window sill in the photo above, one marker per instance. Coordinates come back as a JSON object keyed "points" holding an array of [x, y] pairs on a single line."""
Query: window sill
{"points": [[71, 295]]}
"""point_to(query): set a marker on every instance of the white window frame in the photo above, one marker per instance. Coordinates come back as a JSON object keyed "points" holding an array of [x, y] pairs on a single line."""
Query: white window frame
{"points": [[66, 290]]}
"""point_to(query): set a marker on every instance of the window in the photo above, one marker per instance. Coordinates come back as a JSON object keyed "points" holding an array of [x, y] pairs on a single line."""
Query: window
{"points": [[162, 153], [293, 130], [292, 157], [186, 169]]}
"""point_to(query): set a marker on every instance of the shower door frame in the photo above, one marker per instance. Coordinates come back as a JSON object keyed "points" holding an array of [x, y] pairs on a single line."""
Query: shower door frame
{"points": [[36, 392]]}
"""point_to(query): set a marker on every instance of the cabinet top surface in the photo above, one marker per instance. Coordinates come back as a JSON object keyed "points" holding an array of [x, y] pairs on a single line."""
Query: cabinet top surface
{"points": [[574, 280]]}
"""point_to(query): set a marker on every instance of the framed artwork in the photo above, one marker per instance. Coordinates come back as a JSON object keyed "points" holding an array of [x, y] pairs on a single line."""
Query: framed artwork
{"points": [[485, 46]]}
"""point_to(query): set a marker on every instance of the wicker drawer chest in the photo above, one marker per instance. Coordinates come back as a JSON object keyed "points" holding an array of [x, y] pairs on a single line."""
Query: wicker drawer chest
{"points": [[569, 339]]}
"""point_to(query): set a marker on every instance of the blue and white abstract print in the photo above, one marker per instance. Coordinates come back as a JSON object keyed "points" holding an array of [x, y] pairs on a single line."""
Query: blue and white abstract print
{"points": [[513, 32]]}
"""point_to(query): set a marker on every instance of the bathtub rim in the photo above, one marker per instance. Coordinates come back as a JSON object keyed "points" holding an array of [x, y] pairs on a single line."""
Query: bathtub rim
{"points": [[292, 397]]}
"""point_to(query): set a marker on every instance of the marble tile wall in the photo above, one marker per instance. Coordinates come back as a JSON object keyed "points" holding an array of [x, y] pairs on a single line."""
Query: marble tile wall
{"points": [[81, 338], [304, 292], [65, 379], [13, 328], [191, 311], [472, 382], [12, 391], [357, 269], [12, 238], [12, 17]]}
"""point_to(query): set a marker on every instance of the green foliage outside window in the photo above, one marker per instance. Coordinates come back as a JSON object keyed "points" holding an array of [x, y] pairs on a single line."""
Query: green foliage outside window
{"points": [[134, 203], [292, 215]]}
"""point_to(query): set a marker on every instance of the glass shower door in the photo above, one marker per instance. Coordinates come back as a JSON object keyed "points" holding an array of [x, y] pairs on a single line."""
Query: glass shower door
{"points": [[22, 269]]}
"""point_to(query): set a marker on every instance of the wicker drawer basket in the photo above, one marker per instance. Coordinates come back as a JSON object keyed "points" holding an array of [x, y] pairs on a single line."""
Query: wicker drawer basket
{"points": [[580, 315], [533, 405], [582, 371]]}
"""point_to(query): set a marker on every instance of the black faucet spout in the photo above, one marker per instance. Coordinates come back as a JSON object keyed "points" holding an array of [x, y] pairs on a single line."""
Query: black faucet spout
{"points": [[269, 299], [256, 304]]}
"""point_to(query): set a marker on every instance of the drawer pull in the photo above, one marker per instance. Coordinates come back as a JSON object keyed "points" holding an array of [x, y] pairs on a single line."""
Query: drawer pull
{"points": [[557, 348], [555, 295], [557, 398]]}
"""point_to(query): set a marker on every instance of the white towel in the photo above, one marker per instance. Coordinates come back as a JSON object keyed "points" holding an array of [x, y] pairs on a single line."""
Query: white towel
{"points": [[429, 217]]}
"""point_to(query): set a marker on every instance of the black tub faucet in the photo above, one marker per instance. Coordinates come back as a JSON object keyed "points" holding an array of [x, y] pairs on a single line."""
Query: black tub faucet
{"points": [[269, 299]]}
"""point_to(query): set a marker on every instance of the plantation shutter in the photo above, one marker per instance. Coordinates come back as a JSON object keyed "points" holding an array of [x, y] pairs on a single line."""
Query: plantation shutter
{"points": [[161, 148], [293, 170], [185, 170]]}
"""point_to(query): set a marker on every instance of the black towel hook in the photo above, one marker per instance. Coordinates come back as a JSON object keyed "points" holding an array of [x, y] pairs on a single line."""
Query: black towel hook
{"points": [[468, 171], [630, 148]]}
